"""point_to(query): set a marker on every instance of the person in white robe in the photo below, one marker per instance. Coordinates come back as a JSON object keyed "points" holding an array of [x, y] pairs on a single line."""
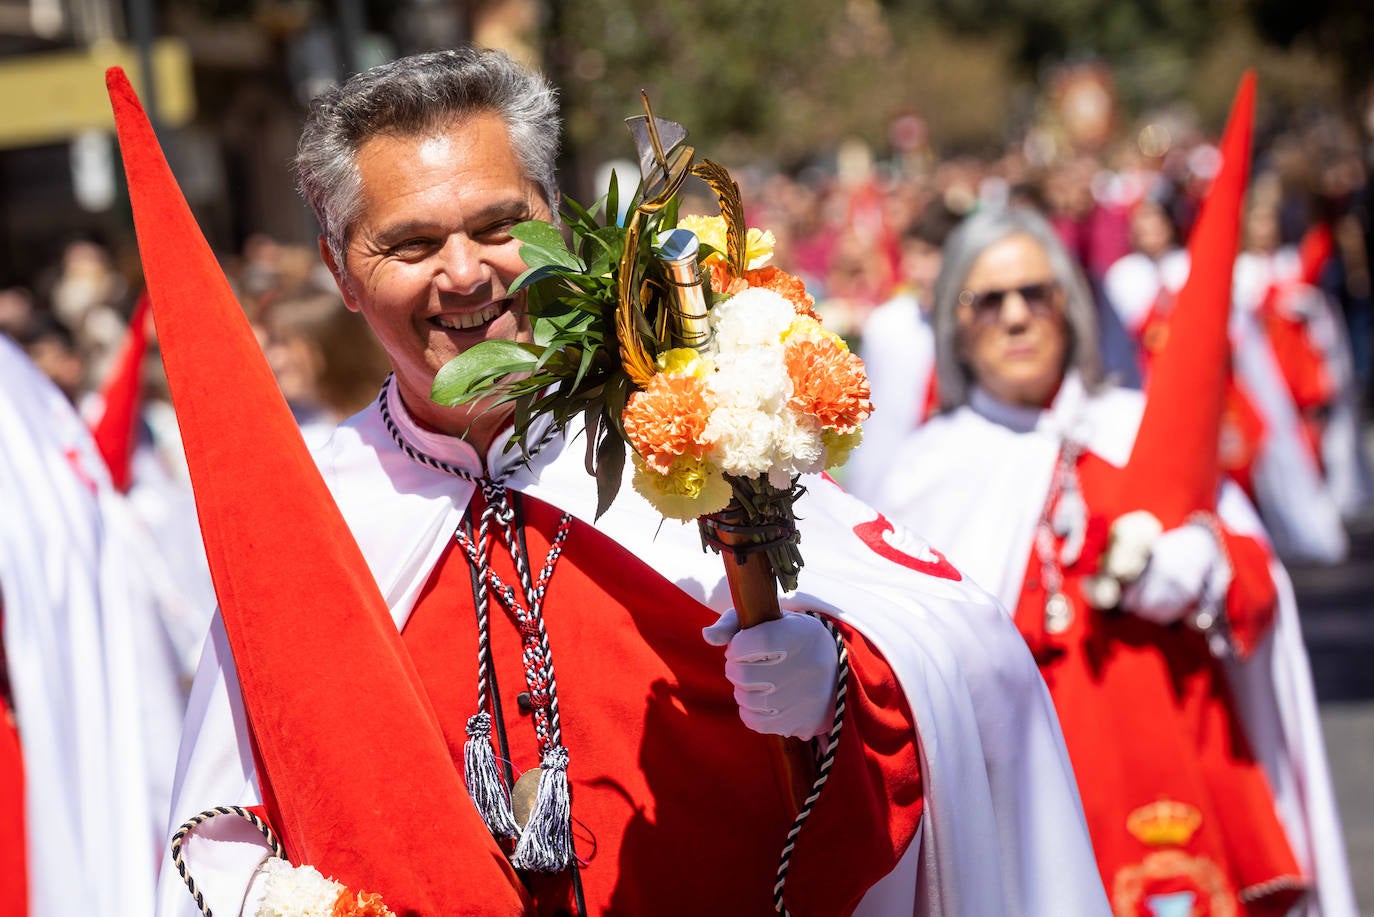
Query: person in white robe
{"points": [[92, 670]]}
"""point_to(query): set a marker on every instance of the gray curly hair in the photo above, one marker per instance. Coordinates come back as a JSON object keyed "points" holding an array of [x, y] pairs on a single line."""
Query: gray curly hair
{"points": [[414, 96], [966, 244]]}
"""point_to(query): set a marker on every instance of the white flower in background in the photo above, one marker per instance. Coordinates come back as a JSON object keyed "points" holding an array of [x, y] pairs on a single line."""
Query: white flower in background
{"points": [[1131, 540]]}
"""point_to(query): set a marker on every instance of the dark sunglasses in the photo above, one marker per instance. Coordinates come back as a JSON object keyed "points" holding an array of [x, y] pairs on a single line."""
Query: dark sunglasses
{"points": [[1038, 297]]}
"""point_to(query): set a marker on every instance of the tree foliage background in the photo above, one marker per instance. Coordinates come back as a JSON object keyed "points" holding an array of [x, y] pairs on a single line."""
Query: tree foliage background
{"points": [[763, 78]]}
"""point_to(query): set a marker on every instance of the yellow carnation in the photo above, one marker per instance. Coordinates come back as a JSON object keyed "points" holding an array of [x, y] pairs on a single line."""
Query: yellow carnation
{"points": [[839, 445], [758, 243], [806, 328], [691, 488], [683, 361]]}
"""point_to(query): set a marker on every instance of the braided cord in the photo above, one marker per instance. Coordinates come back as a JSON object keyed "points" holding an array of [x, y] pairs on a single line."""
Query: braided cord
{"points": [[537, 658], [421, 457], [528, 616], [179, 839], [823, 767]]}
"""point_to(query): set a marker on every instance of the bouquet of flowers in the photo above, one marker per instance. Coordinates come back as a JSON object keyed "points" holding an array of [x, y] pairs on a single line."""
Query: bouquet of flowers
{"points": [[676, 338]]}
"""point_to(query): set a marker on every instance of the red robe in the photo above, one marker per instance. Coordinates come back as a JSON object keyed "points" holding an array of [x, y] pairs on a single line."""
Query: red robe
{"points": [[13, 841], [1147, 716], [675, 809]]}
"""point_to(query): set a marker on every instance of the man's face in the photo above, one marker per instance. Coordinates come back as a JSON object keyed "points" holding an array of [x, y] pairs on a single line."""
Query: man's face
{"points": [[430, 256]]}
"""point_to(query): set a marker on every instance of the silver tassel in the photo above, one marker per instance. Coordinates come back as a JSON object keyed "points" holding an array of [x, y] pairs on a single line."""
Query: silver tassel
{"points": [[1071, 522], [546, 843], [484, 783]]}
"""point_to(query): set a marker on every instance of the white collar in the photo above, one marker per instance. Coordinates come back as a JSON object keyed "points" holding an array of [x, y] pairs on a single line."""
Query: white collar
{"points": [[1064, 417], [456, 451]]}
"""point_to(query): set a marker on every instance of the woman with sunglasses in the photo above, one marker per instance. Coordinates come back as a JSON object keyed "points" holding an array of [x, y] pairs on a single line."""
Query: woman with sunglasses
{"points": [[1005, 481]]}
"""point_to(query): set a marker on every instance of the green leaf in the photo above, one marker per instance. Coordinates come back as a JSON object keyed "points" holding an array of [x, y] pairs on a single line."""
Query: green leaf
{"points": [[577, 215], [469, 374], [544, 244], [533, 275], [610, 468], [613, 201]]}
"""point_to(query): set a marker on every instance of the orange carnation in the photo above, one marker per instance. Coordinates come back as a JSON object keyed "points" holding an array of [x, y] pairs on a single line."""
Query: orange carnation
{"points": [[788, 286], [363, 904], [668, 419], [828, 383], [723, 281]]}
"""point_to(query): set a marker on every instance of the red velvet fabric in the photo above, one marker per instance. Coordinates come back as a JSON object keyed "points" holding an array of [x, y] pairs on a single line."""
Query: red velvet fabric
{"points": [[1252, 600], [352, 760], [1147, 714], [1302, 366], [114, 432], [1173, 469], [675, 807]]}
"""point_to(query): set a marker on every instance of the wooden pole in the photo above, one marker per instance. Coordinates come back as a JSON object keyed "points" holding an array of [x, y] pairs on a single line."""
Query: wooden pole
{"points": [[754, 593]]}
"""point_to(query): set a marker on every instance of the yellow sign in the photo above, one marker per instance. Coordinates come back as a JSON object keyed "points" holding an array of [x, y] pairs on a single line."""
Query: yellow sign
{"points": [[48, 98]]}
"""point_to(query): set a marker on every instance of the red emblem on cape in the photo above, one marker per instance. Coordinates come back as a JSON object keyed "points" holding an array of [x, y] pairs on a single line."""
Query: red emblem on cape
{"points": [[872, 534], [73, 456]]}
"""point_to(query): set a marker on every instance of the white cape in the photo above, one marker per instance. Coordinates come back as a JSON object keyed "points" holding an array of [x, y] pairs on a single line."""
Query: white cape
{"points": [[1003, 831], [97, 699], [974, 481]]}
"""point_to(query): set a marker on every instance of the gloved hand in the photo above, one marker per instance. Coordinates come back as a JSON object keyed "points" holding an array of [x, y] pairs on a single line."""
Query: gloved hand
{"points": [[1177, 576], [783, 671]]}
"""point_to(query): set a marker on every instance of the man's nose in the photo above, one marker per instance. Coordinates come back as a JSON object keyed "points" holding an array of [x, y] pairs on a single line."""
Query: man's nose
{"points": [[462, 269]]}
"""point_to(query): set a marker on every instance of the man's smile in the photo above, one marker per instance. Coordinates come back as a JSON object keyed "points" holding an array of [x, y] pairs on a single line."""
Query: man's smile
{"points": [[467, 321]]}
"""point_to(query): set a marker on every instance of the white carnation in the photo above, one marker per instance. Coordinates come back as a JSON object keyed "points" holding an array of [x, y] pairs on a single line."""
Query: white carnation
{"points": [[296, 891], [1132, 538], [755, 380], [743, 438], [797, 448], [751, 319]]}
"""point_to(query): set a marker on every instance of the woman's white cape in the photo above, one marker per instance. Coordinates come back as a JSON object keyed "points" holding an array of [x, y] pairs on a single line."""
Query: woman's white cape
{"points": [[974, 481]]}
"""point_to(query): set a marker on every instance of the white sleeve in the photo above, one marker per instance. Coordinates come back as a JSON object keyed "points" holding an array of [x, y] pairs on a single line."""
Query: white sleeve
{"points": [[214, 768]]}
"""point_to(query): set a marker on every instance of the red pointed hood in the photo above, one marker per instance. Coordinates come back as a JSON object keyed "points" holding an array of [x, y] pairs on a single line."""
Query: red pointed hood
{"points": [[356, 773], [1317, 247], [1174, 469], [116, 430]]}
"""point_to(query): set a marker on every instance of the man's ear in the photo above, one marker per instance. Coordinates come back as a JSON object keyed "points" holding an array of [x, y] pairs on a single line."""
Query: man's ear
{"points": [[340, 280]]}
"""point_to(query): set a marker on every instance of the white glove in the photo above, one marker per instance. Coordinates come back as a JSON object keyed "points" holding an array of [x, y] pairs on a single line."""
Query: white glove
{"points": [[783, 671], [1178, 576]]}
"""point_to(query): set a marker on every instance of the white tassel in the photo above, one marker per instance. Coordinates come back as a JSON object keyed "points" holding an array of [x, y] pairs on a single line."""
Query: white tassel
{"points": [[546, 843], [485, 786]]}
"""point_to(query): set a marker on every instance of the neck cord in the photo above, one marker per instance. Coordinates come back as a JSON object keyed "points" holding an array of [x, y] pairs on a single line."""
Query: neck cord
{"points": [[544, 843], [1064, 515]]}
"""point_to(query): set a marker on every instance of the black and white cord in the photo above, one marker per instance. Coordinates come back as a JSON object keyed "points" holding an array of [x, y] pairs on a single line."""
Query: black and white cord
{"points": [[179, 839], [823, 766]]}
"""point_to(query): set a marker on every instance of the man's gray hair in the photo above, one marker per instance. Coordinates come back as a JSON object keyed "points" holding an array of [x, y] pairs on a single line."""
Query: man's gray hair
{"points": [[412, 97], [965, 245]]}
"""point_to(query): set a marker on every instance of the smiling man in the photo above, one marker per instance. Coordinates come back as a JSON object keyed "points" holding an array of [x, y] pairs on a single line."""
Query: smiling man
{"points": [[642, 776]]}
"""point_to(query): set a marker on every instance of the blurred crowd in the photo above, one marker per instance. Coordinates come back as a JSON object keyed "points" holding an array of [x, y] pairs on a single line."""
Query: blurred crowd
{"points": [[861, 229]]}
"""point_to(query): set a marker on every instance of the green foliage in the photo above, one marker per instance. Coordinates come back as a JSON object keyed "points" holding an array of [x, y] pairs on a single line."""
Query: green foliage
{"points": [[573, 366]]}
